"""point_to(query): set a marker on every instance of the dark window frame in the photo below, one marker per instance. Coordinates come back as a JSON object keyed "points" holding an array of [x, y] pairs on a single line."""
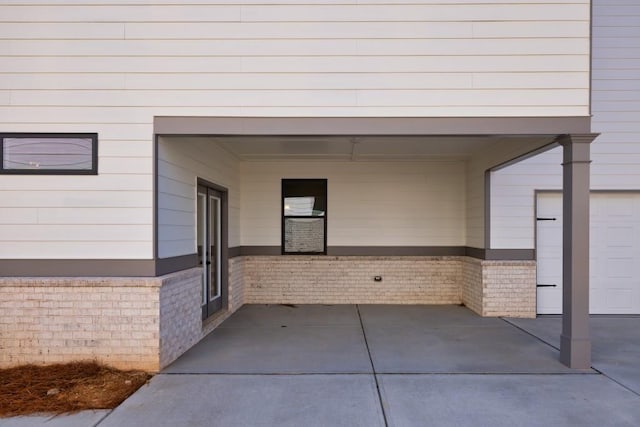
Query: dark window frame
{"points": [[284, 217], [223, 194], [44, 171]]}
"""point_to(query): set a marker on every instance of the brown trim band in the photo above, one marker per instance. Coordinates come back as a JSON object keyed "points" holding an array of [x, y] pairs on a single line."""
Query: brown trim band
{"points": [[77, 267], [396, 250], [160, 267], [486, 254], [257, 250], [509, 254], [474, 252], [173, 264], [265, 126], [501, 254]]}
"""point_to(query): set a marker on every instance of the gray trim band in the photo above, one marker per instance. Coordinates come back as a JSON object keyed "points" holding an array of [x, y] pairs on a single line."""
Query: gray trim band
{"points": [[509, 254], [173, 264], [474, 252], [77, 268], [486, 254], [396, 250], [160, 267], [259, 250], [265, 126], [501, 254]]}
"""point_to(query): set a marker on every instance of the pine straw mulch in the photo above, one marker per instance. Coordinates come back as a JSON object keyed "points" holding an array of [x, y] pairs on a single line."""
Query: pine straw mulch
{"points": [[65, 388]]}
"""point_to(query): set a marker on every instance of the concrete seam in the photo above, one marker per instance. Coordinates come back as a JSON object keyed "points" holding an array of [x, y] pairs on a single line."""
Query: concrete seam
{"points": [[310, 374], [373, 368], [529, 333], [616, 381], [103, 418]]}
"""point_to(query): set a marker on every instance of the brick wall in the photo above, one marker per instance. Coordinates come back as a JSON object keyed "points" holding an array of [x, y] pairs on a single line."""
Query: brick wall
{"points": [[348, 280], [236, 283], [180, 314], [138, 323], [499, 288], [509, 288], [48, 320], [471, 285], [146, 323]]}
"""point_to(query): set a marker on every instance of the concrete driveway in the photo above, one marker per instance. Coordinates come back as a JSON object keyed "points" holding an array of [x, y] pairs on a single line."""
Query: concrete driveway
{"points": [[346, 365]]}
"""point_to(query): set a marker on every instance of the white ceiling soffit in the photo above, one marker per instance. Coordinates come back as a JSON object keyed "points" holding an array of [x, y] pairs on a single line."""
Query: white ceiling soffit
{"points": [[367, 148]]}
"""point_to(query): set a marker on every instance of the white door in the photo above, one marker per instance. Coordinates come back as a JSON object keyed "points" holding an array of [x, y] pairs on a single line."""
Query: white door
{"points": [[614, 253]]}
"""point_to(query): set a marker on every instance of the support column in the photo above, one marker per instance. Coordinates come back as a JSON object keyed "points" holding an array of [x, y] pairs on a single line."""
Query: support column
{"points": [[575, 342]]}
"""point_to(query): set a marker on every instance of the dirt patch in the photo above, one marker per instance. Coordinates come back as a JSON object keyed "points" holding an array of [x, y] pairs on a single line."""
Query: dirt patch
{"points": [[64, 388]]}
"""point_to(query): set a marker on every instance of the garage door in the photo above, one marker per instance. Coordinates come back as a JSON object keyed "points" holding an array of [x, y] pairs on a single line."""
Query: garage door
{"points": [[614, 253]]}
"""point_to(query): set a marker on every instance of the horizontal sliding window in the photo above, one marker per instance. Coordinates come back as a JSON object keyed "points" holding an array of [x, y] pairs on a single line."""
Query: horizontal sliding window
{"points": [[71, 154]]}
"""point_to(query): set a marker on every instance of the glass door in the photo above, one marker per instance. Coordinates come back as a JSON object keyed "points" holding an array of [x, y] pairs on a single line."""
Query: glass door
{"points": [[209, 248]]}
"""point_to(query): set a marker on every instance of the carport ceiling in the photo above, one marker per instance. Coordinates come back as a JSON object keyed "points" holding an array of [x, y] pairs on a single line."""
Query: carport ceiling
{"points": [[367, 148]]}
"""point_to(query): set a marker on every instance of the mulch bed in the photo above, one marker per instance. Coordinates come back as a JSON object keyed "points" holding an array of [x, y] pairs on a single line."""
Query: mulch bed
{"points": [[65, 388]]}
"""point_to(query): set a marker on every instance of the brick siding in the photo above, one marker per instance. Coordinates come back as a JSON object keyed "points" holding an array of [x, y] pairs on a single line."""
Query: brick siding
{"points": [[146, 323], [48, 320], [472, 284], [129, 323], [349, 280], [500, 288]]}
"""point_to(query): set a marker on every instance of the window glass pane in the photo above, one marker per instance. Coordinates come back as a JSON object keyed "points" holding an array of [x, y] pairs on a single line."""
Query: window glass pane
{"points": [[304, 207], [304, 197], [47, 153], [304, 234], [301, 206]]}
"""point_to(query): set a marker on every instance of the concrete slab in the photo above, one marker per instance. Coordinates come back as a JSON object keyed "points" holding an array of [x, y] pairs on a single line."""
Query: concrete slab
{"points": [[615, 343], [276, 315], [546, 328], [499, 349], [80, 419], [277, 350], [248, 400], [423, 316], [507, 400]]}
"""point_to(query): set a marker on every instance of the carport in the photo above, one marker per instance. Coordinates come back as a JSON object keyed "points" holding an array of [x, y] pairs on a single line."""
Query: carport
{"points": [[481, 277], [375, 365]]}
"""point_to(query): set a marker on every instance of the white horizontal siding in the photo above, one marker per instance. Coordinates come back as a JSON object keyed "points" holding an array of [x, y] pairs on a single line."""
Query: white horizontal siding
{"points": [[45, 199], [335, 58], [53, 217], [180, 162], [488, 157], [616, 109], [296, 47], [295, 13], [110, 67], [65, 186], [43, 249], [369, 203], [301, 98]]}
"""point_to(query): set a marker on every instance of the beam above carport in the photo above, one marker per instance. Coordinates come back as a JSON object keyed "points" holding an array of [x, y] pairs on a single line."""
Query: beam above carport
{"points": [[170, 125]]}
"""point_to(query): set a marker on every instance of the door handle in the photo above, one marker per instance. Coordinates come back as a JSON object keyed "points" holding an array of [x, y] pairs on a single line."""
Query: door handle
{"points": [[539, 285]]}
